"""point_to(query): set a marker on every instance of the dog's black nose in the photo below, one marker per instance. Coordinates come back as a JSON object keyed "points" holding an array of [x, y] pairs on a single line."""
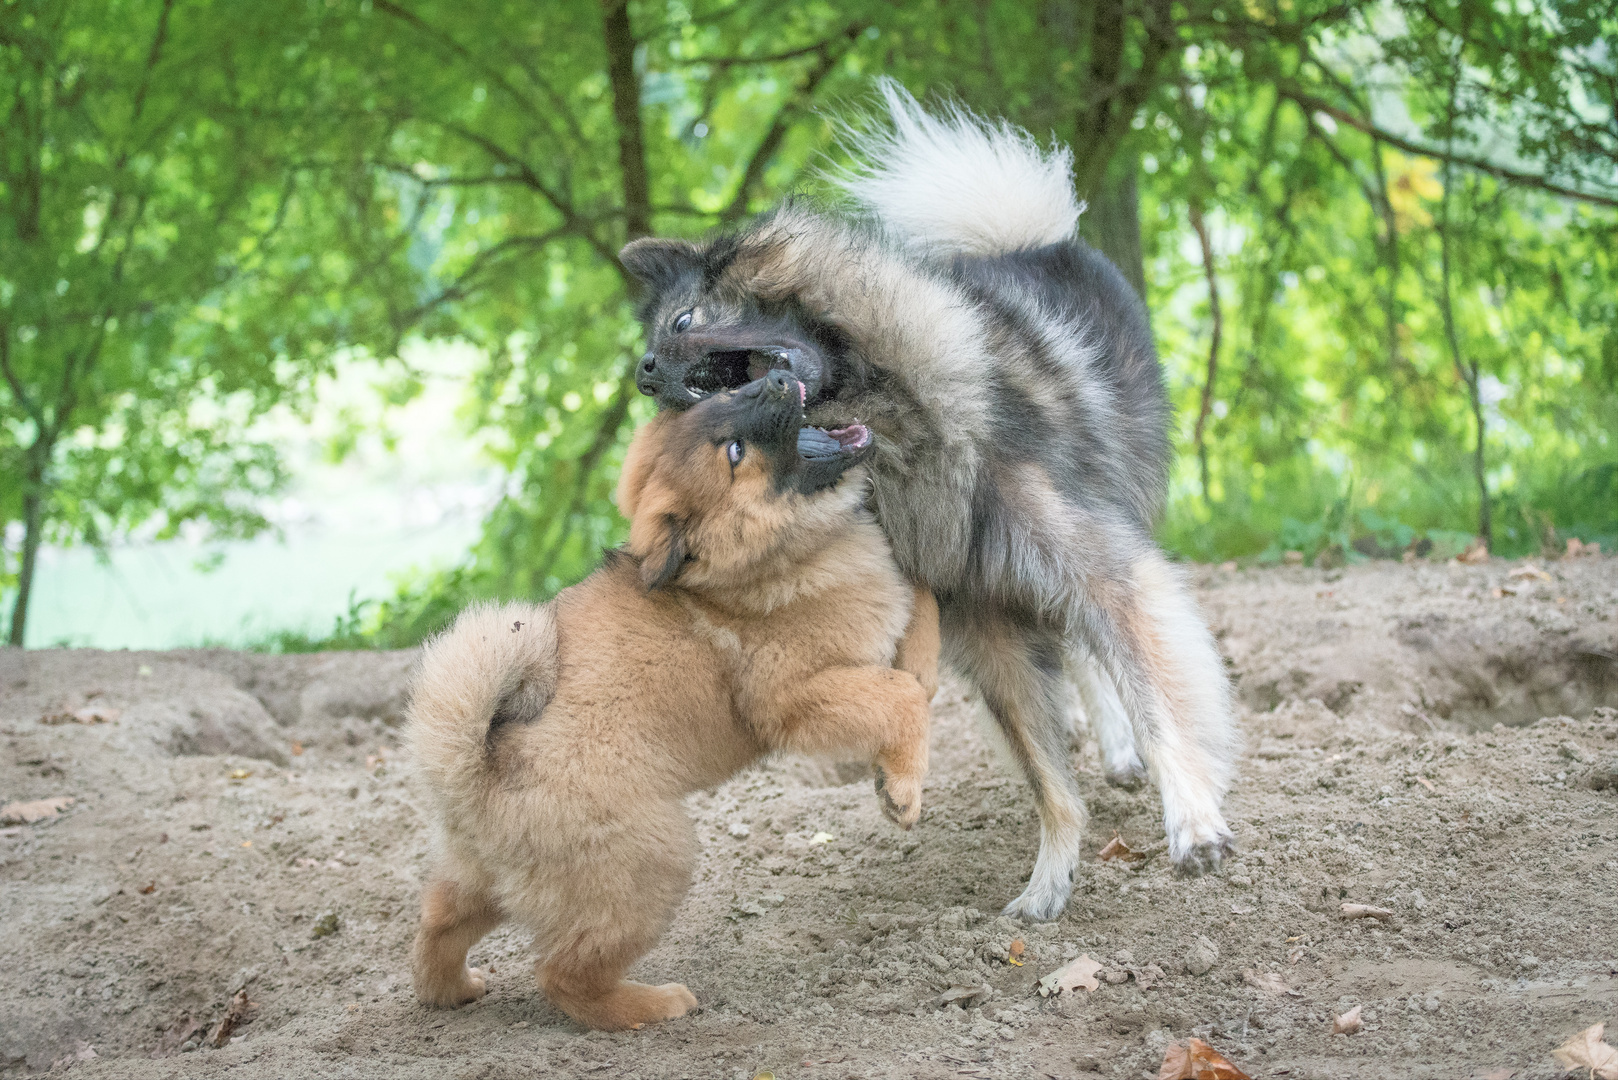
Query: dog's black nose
{"points": [[776, 383], [648, 380]]}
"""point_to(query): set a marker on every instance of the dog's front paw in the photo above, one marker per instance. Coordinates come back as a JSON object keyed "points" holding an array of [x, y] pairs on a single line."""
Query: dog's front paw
{"points": [[450, 993], [901, 796], [1205, 857]]}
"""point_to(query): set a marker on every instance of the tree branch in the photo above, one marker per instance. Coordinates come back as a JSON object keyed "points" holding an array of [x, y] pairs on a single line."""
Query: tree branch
{"points": [[773, 137], [619, 38], [1208, 270], [1311, 104]]}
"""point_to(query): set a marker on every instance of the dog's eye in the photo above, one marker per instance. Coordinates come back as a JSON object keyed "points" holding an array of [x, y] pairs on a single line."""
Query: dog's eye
{"points": [[735, 451], [682, 321]]}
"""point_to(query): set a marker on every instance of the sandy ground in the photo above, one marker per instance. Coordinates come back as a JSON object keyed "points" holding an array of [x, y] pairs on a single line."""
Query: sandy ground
{"points": [[1437, 740]]}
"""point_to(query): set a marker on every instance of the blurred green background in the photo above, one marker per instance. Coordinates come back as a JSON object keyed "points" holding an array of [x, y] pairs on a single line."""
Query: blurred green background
{"points": [[312, 329]]}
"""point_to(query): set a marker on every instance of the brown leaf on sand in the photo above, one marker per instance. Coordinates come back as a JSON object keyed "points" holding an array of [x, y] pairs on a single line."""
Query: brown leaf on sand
{"points": [[1365, 911], [1269, 981], [1348, 1023], [1014, 953], [1196, 1060], [1117, 849], [1587, 1053], [235, 1016], [1476, 552], [1065, 980], [26, 813]]}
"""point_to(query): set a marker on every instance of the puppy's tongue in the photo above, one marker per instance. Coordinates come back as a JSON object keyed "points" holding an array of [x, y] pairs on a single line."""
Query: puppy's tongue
{"points": [[803, 395]]}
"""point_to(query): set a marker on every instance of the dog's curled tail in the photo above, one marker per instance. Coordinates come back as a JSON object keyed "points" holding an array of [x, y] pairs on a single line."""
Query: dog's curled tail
{"points": [[497, 665], [952, 181]]}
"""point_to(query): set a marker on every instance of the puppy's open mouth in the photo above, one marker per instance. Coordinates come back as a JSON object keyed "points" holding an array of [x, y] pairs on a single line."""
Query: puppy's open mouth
{"points": [[820, 444]]}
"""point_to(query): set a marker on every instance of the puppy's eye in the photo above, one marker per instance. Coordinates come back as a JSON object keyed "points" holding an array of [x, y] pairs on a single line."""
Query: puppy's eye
{"points": [[682, 321], [735, 451]]}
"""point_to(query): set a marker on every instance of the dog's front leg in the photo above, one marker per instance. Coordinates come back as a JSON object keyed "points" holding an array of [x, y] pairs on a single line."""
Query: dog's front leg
{"points": [[879, 712]]}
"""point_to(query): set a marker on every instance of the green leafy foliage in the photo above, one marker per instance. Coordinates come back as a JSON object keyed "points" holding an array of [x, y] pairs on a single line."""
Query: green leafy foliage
{"points": [[1377, 241]]}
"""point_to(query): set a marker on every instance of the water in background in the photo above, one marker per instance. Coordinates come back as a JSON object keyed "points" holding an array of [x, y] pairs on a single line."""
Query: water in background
{"points": [[411, 495]]}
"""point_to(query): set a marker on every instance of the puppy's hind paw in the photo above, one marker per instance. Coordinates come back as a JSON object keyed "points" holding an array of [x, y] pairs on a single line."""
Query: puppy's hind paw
{"points": [[900, 796], [450, 993]]}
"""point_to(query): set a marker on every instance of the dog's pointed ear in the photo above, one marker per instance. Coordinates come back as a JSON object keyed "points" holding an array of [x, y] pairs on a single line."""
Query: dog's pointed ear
{"points": [[663, 553], [657, 264]]}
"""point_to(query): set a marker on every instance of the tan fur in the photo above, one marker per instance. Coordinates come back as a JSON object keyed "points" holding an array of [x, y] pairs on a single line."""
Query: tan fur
{"points": [[780, 629]]}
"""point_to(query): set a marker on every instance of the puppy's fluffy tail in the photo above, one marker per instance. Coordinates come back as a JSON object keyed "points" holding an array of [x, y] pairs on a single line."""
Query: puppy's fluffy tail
{"points": [[496, 665], [956, 182]]}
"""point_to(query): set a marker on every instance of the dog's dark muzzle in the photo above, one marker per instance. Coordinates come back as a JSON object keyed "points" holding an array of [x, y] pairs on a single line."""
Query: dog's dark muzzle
{"points": [[683, 370]]}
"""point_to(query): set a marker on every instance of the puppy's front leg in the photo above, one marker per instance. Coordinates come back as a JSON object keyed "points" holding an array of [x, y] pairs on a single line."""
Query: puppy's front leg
{"points": [[918, 649], [880, 712]]}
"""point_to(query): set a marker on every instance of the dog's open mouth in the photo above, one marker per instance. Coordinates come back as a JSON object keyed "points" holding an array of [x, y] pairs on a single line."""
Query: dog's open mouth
{"points": [[730, 369], [820, 444]]}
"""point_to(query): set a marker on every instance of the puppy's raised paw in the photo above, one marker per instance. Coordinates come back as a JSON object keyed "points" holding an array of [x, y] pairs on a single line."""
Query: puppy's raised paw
{"points": [[901, 796]]}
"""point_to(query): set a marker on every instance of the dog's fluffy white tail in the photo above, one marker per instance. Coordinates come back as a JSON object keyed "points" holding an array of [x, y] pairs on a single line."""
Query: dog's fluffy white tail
{"points": [[496, 659], [953, 181]]}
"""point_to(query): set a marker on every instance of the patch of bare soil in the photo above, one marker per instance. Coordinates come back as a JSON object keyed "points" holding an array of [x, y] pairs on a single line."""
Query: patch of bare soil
{"points": [[1437, 742]]}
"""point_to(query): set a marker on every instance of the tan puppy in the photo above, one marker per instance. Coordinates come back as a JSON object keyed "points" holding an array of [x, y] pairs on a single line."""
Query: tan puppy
{"points": [[756, 607]]}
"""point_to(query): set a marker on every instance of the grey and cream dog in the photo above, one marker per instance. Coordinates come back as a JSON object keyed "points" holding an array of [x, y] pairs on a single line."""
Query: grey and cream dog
{"points": [[1008, 372]]}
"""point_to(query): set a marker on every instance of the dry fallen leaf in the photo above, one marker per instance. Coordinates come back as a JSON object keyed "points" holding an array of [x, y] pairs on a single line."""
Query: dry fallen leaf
{"points": [[1196, 1060], [1117, 849], [1348, 1023], [1476, 552], [966, 995], [237, 1014], [1014, 953], [1065, 980], [240, 774], [297, 748], [1586, 1052], [1269, 981], [26, 813], [1365, 911], [1528, 572]]}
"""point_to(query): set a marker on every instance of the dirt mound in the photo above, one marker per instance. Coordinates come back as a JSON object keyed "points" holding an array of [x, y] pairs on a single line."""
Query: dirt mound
{"points": [[1436, 741]]}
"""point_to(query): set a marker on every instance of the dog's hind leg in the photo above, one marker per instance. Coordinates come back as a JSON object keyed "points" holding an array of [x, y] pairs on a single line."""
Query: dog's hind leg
{"points": [[1107, 721], [454, 916], [1172, 681], [1019, 670]]}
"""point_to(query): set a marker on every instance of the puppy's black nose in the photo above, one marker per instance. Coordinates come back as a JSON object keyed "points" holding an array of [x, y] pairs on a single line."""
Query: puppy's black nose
{"points": [[776, 383]]}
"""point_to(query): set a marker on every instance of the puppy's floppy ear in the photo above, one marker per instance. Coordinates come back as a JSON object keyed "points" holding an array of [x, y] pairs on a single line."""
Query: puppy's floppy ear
{"points": [[638, 462], [664, 553], [658, 264]]}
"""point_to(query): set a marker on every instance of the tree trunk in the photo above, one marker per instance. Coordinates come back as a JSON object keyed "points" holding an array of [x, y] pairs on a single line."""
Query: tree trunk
{"points": [[1111, 220], [33, 504]]}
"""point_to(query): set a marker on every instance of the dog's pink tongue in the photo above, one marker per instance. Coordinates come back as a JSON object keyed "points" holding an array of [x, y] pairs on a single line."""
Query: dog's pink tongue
{"points": [[803, 395]]}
